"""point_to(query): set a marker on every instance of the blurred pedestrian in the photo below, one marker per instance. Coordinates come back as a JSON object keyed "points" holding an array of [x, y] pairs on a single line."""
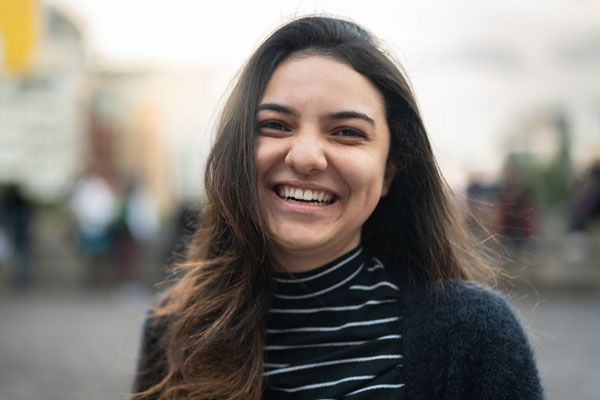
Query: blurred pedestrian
{"points": [[482, 206], [584, 216], [94, 208], [517, 208], [136, 226], [18, 210], [585, 208]]}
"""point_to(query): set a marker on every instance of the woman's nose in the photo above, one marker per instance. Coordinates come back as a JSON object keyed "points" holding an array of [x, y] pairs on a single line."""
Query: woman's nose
{"points": [[306, 153]]}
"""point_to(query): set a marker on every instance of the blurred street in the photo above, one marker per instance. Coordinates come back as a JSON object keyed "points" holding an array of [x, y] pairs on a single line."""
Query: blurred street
{"points": [[563, 328], [76, 345], [69, 345]]}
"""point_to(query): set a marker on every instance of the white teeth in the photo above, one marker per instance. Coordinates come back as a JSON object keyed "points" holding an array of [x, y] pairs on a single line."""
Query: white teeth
{"points": [[288, 192]]}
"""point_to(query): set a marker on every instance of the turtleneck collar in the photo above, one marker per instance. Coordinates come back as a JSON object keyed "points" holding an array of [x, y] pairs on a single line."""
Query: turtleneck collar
{"points": [[322, 280]]}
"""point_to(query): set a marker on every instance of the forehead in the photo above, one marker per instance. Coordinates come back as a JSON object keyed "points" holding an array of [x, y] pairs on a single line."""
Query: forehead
{"points": [[322, 79]]}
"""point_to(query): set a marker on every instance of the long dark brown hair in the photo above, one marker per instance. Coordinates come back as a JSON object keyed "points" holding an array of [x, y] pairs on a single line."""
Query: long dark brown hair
{"points": [[212, 345]]}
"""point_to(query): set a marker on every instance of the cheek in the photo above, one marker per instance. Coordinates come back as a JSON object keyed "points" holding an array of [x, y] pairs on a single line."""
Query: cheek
{"points": [[367, 182], [365, 174], [264, 157]]}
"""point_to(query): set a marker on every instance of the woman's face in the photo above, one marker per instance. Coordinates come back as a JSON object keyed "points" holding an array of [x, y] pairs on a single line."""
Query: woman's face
{"points": [[321, 158]]}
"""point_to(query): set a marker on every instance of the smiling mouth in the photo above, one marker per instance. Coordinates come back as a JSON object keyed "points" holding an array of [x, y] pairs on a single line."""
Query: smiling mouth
{"points": [[305, 196]]}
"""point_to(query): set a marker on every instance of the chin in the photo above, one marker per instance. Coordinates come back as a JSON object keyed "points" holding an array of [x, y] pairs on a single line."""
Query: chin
{"points": [[298, 244]]}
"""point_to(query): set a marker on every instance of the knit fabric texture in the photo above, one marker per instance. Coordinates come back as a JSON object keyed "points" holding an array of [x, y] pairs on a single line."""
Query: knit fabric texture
{"points": [[465, 342]]}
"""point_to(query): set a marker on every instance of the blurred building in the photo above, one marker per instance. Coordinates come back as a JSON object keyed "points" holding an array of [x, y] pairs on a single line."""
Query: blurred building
{"points": [[62, 114], [505, 80], [154, 126], [542, 145], [42, 98]]}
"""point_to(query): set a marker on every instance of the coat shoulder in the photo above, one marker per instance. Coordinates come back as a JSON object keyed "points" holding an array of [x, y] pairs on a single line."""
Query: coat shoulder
{"points": [[470, 330], [151, 363], [474, 303]]}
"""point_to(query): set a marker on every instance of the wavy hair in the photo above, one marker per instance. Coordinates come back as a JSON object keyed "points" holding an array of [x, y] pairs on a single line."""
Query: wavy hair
{"points": [[211, 345]]}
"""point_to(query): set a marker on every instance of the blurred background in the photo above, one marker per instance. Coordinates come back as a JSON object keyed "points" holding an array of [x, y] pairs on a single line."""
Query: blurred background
{"points": [[106, 110]]}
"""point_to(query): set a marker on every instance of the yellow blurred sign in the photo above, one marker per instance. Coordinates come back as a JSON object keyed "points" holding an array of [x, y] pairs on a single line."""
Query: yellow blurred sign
{"points": [[17, 34]]}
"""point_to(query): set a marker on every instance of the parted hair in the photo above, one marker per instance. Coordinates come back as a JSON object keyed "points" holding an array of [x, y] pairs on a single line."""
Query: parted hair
{"points": [[211, 345]]}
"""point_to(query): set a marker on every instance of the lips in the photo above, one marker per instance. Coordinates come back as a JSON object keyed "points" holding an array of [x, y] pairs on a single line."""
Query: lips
{"points": [[310, 196]]}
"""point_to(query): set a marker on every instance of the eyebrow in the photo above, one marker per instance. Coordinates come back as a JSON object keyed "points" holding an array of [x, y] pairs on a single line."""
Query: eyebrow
{"points": [[328, 117], [349, 115], [278, 108]]}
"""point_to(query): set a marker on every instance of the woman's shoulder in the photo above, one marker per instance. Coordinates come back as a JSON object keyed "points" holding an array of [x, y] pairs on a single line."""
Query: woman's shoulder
{"points": [[472, 330], [461, 300], [151, 357], [469, 298], [469, 314], [156, 323]]}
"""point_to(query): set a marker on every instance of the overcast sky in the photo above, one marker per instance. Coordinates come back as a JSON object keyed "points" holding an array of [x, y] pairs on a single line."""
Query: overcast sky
{"points": [[191, 31], [474, 64]]}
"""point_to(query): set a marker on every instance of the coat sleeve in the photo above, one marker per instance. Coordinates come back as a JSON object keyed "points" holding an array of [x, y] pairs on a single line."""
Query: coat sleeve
{"points": [[151, 364], [493, 357]]}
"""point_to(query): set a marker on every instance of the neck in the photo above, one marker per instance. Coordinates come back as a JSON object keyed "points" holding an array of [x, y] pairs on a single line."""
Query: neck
{"points": [[302, 260]]}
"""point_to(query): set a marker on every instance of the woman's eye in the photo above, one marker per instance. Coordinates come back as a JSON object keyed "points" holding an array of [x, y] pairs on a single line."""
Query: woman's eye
{"points": [[278, 126], [351, 133]]}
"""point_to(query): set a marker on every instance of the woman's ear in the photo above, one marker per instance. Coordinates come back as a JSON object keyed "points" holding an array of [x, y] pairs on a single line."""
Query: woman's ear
{"points": [[388, 177]]}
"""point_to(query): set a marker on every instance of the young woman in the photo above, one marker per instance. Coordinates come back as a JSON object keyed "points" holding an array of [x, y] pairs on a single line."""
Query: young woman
{"points": [[329, 263]]}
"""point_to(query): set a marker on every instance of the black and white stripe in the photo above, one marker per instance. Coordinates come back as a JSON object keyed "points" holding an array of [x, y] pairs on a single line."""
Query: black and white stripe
{"points": [[335, 332]]}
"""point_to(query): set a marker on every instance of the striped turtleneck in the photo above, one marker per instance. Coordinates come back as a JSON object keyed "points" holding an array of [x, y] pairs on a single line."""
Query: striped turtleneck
{"points": [[335, 332]]}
